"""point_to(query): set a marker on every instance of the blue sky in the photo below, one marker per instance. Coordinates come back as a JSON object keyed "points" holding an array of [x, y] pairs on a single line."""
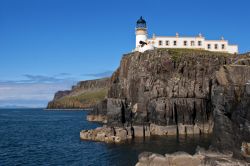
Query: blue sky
{"points": [[48, 45]]}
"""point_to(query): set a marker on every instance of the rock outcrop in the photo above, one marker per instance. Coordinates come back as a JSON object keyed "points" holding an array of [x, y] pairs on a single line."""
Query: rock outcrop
{"points": [[112, 134], [86, 94], [200, 158], [106, 134]]}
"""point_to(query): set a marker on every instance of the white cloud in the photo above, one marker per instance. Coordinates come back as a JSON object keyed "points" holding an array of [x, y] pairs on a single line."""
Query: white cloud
{"points": [[107, 73], [36, 89]]}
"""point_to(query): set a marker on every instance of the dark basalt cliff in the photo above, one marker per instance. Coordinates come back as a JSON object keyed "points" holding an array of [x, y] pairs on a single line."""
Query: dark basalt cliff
{"points": [[231, 101], [165, 87], [179, 88], [85, 94]]}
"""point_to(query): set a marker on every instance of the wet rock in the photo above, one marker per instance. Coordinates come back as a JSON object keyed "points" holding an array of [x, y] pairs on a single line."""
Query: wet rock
{"points": [[106, 134], [97, 118], [163, 130], [141, 131]]}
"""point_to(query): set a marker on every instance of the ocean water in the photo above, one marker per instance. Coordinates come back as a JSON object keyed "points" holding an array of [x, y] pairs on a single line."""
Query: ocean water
{"points": [[37, 137]]}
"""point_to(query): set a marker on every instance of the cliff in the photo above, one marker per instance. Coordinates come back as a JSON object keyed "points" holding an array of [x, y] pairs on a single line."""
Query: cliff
{"points": [[85, 94], [231, 109], [165, 87], [178, 91]]}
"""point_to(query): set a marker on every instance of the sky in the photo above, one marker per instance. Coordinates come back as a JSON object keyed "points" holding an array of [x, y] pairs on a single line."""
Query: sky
{"points": [[49, 45]]}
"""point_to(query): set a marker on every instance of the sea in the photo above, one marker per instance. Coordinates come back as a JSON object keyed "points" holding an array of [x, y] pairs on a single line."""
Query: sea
{"points": [[34, 137]]}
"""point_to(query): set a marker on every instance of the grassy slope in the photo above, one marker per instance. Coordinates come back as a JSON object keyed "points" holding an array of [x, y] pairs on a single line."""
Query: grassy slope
{"points": [[84, 100]]}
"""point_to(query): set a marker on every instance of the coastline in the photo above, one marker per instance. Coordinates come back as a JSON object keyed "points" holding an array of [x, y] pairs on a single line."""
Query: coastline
{"points": [[109, 134], [68, 109], [201, 157]]}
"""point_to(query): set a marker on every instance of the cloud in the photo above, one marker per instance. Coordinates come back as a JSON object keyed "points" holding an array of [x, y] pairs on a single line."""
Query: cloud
{"points": [[29, 78], [33, 90], [63, 75], [27, 91], [40, 79], [107, 73]]}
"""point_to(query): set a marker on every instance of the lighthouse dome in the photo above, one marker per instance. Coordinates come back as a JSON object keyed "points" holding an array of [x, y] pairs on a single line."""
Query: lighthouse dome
{"points": [[141, 23]]}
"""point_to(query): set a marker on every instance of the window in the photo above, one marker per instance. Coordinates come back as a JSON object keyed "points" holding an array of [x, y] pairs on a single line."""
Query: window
{"points": [[160, 42], [192, 43], [199, 43], [223, 46], [175, 43], [167, 42], [208, 46], [216, 46], [185, 43]]}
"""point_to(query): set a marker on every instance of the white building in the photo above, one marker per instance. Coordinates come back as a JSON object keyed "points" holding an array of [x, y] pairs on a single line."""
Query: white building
{"points": [[144, 43]]}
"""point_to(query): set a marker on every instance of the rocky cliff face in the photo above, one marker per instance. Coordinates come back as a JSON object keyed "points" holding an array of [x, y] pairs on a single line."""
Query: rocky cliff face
{"points": [[180, 92], [85, 94], [165, 87], [231, 101]]}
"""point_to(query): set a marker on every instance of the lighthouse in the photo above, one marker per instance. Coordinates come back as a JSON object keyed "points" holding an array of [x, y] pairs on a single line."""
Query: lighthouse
{"points": [[141, 31], [141, 43]]}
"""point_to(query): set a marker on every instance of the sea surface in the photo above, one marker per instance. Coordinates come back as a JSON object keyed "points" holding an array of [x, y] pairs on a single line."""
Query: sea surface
{"points": [[33, 137]]}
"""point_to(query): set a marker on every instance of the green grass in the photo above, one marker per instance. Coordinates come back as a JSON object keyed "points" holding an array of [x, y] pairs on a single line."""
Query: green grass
{"points": [[90, 96], [84, 100], [177, 53], [181, 51]]}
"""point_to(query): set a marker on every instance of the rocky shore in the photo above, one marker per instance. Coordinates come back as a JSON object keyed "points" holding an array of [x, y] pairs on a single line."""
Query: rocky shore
{"points": [[118, 134], [200, 158]]}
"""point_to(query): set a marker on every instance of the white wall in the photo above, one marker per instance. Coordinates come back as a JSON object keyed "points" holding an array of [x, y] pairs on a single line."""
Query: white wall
{"points": [[180, 42], [219, 44], [140, 38], [141, 35], [233, 49], [204, 44]]}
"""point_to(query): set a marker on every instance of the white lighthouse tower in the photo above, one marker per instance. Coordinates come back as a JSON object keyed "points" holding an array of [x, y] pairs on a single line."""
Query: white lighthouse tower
{"points": [[141, 36], [141, 31]]}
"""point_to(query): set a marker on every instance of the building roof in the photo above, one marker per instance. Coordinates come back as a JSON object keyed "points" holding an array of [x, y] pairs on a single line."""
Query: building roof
{"points": [[141, 21]]}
